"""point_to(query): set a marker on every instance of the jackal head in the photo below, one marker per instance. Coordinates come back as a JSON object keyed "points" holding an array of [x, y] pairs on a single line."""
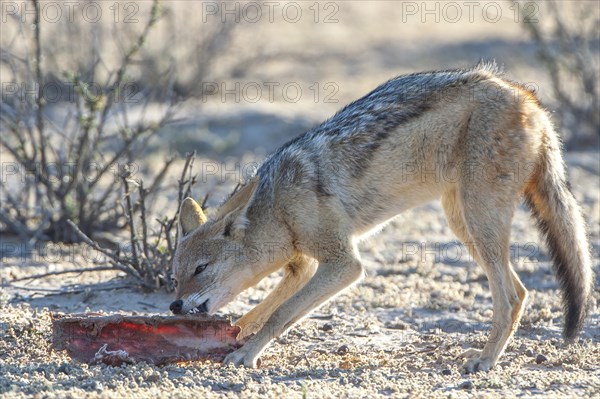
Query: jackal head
{"points": [[212, 262]]}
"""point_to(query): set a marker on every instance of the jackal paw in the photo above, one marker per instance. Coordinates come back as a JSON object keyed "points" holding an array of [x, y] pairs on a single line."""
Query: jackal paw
{"points": [[242, 357], [475, 362]]}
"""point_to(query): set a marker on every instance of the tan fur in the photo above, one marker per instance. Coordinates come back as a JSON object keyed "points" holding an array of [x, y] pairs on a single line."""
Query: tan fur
{"points": [[478, 153]]}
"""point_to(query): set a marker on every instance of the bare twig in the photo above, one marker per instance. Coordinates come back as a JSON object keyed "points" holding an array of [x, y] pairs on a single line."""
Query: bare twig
{"points": [[130, 220], [142, 202], [116, 261], [205, 200], [63, 291], [38, 76], [56, 273]]}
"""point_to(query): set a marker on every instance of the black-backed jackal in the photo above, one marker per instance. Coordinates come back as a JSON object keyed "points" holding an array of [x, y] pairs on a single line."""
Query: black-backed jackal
{"points": [[470, 137]]}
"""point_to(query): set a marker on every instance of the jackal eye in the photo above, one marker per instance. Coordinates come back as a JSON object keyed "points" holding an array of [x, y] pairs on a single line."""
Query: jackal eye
{"points": [[200, 269]]}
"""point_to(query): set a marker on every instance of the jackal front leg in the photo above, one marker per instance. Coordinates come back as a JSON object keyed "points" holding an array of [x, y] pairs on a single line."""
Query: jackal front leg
{"points": [[329, 279], [297, 273]]}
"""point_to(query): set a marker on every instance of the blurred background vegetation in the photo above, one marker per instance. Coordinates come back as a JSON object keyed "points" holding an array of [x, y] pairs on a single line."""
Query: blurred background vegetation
{"points": [[100, 96]]}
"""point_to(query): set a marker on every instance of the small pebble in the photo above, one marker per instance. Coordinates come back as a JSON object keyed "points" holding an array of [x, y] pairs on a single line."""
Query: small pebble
{"points": [[342, 350], [397, 325], [529, 353], [466, 385], [154, 377], [327, 327], [64, 368], [540, 359]]}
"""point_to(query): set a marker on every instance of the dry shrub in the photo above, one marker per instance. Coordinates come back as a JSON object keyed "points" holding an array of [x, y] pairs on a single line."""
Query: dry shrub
{"points": [[54, 173], [567, 38]]}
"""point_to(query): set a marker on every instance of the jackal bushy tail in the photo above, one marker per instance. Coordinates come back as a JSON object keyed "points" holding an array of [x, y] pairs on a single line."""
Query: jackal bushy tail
{"points": [[560, 221]]}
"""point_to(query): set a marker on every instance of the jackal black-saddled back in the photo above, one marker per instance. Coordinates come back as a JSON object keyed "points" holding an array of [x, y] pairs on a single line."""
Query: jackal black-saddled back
{"points": [[352, 136]]}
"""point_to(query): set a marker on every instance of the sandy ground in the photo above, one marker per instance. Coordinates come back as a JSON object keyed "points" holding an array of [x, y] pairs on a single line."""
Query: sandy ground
{"points": [[396, 333]]}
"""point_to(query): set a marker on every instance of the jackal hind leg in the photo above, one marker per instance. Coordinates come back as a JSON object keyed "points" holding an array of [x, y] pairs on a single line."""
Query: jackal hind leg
{"points": [[483, 224], [296, 275]]}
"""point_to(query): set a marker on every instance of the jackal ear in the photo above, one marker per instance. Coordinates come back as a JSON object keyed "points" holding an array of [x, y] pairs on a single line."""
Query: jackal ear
{"points": [[238, 206], [239, 199], [191, 216]]}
